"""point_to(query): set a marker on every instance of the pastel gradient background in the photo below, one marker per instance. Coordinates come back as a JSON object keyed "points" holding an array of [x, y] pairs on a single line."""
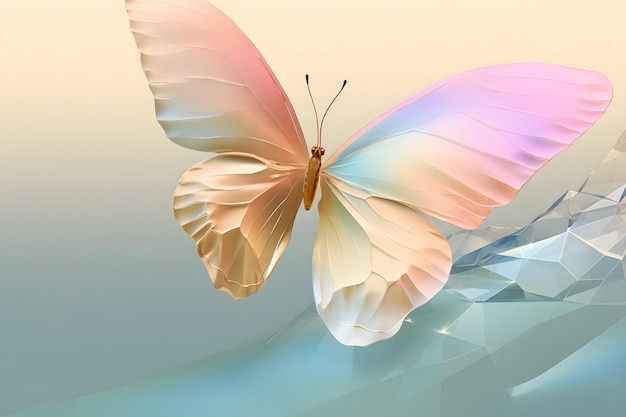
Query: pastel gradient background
{"points": [[98, 284]]}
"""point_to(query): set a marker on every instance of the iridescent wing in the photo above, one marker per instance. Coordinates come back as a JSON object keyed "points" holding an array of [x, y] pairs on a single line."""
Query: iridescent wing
{"points": [[214, 92], [455, 151], [375, 260], [239, 208]]}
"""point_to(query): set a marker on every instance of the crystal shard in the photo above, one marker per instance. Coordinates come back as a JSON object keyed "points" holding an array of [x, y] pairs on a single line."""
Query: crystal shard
{"points": [[573, 251]]}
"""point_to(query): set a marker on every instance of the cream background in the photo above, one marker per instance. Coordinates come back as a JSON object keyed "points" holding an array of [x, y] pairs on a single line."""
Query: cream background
{"points": [[98, 286]]}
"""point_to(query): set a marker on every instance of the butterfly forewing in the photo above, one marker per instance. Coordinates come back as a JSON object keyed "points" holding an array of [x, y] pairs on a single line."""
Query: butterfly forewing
{"points": [[213, 90], [467, 145], [240, 210]]}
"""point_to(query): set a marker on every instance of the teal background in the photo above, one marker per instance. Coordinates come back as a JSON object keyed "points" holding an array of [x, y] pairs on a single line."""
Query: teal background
{"points": [[99, 287]]}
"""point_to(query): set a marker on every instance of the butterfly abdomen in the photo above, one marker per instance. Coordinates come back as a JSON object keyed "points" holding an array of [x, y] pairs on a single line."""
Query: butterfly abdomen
{"points": [[312, 176]]}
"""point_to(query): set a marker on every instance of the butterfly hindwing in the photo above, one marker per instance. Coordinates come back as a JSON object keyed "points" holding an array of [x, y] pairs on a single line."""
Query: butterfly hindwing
{"points": [[240, 209], [375, 260]]}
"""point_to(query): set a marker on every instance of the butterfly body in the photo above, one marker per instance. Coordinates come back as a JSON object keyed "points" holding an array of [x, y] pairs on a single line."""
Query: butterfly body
{"points": [[313, 176], [454, 151]]}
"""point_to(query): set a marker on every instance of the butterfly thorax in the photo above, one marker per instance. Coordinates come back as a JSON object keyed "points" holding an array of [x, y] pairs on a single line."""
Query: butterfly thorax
{"points": [[312, 176]]}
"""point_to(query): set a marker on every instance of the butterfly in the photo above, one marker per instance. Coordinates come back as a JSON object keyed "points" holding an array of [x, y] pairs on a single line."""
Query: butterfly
{"points": [[454, 151]]}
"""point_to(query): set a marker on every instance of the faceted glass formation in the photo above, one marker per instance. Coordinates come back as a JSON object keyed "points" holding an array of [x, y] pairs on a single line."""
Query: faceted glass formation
{"points": [[573, 252], [532, 322]]}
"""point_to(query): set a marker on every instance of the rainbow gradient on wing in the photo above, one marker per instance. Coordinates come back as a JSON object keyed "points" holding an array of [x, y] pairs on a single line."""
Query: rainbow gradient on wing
{"points": [[454, 151]]}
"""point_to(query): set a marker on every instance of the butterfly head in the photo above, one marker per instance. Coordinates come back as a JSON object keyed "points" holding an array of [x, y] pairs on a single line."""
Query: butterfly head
{"points": [[318, 152]]}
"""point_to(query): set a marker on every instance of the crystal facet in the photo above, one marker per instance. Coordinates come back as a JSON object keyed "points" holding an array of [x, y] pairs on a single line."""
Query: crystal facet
{"points": [[572, 252]]}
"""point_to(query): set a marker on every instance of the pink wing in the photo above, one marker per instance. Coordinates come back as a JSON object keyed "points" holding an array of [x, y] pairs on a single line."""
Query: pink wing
{"points": [[455, 151], [466, 145], [213, 90]]}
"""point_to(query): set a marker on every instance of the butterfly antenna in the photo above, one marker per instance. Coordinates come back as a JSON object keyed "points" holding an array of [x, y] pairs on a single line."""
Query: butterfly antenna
{"points": [[317, 122], [331, 103]]}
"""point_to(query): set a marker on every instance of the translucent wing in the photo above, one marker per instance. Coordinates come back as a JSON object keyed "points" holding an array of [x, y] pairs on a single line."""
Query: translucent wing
{"points": [[239, 208], [375, 260], [466, 145], [213, 90], [454, 151]]}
